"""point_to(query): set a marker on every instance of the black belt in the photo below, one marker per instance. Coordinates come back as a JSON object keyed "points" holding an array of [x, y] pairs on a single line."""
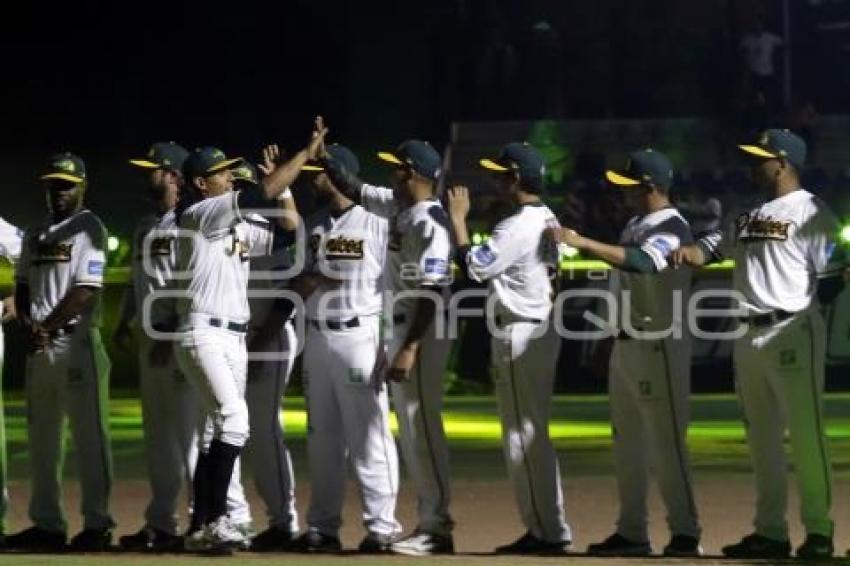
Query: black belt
{"points": [[336, 324], [513, 319], [767, 319], [232, 326]]}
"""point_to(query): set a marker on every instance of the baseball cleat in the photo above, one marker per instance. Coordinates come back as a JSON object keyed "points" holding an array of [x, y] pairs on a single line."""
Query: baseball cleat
{"points": [[246, 530], [314, 541], [531, 545], [376, 543], [683, 546], [757, 546], [273, 539], [91, 540], [618, 545], [816, 547], [149, 539], [37, 539], [421, 543]]}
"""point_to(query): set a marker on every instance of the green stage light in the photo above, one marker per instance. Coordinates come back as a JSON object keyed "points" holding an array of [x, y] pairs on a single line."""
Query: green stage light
{"points": [[845, 234], [112, 243]]}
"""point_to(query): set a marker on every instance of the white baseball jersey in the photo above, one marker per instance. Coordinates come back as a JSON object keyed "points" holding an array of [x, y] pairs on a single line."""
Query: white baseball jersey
{"points": [[651, 295], [419, 243], [11, 239], [218, 257], [518, 260], [57, 257], [352, 248], [154, 254], [781, 248]]}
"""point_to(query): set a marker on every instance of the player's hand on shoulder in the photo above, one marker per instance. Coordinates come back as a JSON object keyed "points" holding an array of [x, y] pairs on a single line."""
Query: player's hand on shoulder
{"points": [[690, 255], [563, 235], [457, 201]]}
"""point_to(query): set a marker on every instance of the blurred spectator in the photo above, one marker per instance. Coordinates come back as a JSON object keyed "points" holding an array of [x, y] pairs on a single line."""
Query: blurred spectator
{"points": [[802, 119], [759, 49]]}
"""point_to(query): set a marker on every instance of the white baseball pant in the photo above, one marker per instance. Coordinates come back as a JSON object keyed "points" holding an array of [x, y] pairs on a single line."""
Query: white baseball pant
{"points": [[266, 450], [780, 380], [649, 388], [348, 413], [524, 375], [418, 404], [70, 377]]}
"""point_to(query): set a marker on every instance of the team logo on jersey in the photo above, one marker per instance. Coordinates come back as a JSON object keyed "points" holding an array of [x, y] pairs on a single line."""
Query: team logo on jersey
{"points": [[484, 256], [754, 227], [341, 247], [51, 252], [95, 267], [435, 266]]}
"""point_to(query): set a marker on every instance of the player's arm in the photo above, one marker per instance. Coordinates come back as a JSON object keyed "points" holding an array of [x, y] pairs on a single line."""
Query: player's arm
{"points": [[75, 302], [283, 175], [627, 258]]}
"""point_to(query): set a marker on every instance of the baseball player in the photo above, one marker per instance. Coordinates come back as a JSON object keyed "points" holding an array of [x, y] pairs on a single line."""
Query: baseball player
{"points": [[57, 297], [516, 263], [271, 331], [215, 245], [649, 368], [785, 253], [11, 239], [347, 404], [169, 401], [419, 255]]}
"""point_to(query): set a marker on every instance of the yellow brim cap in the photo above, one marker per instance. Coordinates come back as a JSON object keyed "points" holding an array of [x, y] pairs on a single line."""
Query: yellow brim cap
{"points": [[312, 168], [226, 164], [389, 158], [757, 151], [491, 165], [62, 177], [621, 180], [145, 163]]}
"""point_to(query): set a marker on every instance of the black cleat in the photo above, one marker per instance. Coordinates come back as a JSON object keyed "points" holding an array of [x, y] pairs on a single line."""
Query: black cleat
{"points": [[149, 539], [37, 539], [377, 543], [618, 545], [816, 547], [315, 542], [91, 540], [757, 546], [683, 546], [529, 544], [273, 539]]}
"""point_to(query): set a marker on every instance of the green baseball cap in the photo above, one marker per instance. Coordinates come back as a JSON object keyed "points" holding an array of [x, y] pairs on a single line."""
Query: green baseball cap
{"points": [[66, 167], [341, 155], [644, 167], [163, 155], [246, 172], [206, 161], [521, 157], [778, 144], [418, 155]]}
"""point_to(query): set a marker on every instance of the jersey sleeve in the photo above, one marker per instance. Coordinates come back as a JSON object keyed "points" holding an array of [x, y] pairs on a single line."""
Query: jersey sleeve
{"points": [[503, 248], [378, 200], [434, 266], [11, 239], [662, 241], [260, 237], [820, 241], [90, 260], [217, 214]]}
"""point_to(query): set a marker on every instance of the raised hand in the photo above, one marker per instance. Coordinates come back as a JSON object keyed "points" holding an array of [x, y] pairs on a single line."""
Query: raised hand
{"points": [[317, 139], [271, 159], [458, 201]]}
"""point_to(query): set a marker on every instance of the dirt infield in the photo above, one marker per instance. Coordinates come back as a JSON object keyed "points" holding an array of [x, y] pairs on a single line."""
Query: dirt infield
{"points": [[483, 504]]}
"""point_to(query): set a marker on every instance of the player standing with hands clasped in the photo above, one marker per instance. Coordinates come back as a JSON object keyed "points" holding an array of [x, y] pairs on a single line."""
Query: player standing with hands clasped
{"points": [[785, 253], [57, 295], [517, 261], [213, 262], [649, 369]]}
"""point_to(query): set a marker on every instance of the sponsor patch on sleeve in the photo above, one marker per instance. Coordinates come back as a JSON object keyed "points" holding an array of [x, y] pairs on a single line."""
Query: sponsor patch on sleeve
{"points": [[436, 266], [662, 245], [95, 267], [484, 256]]}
